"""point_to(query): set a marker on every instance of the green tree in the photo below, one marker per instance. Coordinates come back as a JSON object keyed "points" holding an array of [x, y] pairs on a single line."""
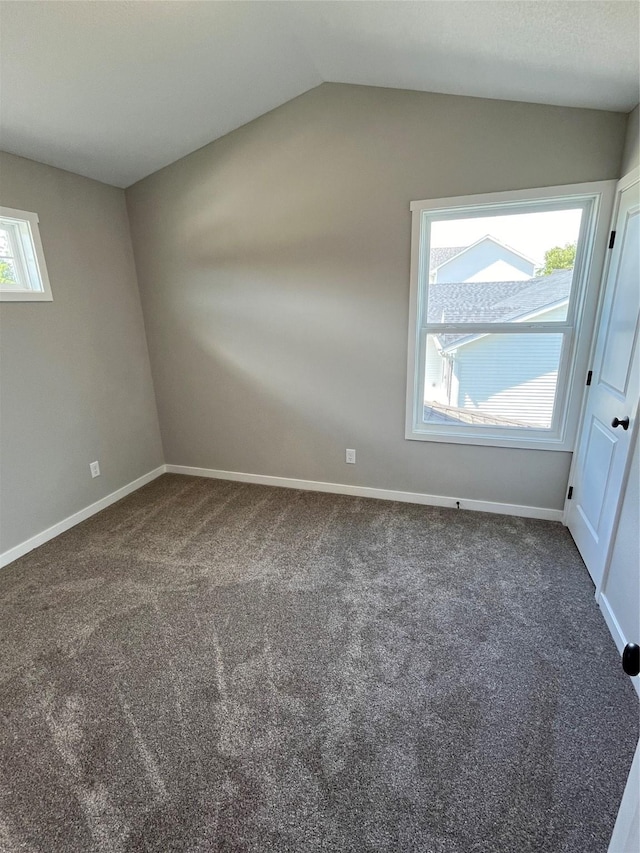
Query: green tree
{"points": [[7, 275], [558, 258]]}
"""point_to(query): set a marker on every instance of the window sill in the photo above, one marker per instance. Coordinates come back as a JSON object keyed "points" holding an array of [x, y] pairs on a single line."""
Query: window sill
{"points": [[25, 296], [536, 442]]}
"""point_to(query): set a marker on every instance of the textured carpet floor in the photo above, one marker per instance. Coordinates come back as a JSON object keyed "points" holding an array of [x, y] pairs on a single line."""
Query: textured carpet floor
{"points": [[211, 666]]}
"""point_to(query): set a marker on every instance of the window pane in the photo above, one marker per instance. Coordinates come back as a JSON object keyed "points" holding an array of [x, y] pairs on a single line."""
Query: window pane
{"points": [[8, 274], [495, 380], [5, 243], [502, 268], [23, 272]]}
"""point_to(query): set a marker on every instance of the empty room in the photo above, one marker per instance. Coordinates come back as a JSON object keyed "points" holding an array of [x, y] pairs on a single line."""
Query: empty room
{"points": [[319, 468]]}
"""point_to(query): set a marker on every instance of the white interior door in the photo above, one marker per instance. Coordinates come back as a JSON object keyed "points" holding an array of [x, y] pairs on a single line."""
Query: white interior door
{"points": [[612, 403]]}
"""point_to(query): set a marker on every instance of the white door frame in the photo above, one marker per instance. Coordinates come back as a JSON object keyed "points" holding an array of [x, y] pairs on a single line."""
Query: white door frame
{"points": [[627, 827], [626, 832], [609, 617]]}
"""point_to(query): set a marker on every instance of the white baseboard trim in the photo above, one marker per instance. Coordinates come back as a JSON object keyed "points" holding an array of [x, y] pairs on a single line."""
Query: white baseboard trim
{"points": [[371, 492], [616, 632], [284, 482], [55, 530]]}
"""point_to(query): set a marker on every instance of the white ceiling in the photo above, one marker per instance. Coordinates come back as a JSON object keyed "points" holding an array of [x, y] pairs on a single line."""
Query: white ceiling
{"points": [[115, 90]]}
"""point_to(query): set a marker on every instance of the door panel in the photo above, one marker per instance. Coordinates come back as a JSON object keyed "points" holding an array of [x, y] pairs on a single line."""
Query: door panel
{"points": [[603, 450], [623, 321], [598, 459]]}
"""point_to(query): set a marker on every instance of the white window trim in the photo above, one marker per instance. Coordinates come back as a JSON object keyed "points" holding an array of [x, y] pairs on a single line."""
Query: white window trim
{"points": [[599, 198], [30, 294]]}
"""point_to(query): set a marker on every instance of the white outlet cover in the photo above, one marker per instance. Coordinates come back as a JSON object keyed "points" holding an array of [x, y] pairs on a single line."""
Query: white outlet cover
{"points": [[351, 456], [94, 467]]}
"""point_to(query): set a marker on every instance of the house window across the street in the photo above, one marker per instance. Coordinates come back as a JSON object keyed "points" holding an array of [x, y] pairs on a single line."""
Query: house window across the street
{"points": [[503, 295], [23, 273]]}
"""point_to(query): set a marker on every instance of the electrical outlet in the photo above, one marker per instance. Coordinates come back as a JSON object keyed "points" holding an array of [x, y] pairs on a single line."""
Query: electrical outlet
{"points": [[94, 467], [351, 457]]}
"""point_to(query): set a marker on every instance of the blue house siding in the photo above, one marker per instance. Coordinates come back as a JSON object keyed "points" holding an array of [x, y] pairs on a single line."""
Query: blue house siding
{"points": [[508, 377], [512, 376], [434, 373]]}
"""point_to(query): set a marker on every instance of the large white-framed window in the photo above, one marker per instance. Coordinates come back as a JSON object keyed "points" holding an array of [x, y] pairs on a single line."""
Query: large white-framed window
{"points": [[23, 272], [504, 290]]}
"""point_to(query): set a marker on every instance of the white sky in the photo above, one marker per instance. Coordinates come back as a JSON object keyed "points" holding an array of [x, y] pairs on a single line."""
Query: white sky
{"points": [[529, 233]]}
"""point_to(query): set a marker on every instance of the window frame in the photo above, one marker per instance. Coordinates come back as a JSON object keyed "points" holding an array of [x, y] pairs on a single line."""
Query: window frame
{"points": [[34, 284], [597, 200]]}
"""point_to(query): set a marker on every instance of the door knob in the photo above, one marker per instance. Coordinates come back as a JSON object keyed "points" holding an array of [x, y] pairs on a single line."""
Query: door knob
{"points": [[623, 422], [631, 659]]}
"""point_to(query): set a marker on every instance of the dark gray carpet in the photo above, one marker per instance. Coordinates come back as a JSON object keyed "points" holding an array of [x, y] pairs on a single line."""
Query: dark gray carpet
{"points": [[210, 666]]}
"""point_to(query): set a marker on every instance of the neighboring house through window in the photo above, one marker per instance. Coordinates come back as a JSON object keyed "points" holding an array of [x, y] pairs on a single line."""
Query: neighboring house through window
{"points": [[496, 347], [23, 272], [488, 259]]}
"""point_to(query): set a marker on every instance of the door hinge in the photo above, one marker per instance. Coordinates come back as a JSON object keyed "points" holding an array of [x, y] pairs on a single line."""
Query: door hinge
{"points": [[589, 375], [570, 493], [612, 239]]}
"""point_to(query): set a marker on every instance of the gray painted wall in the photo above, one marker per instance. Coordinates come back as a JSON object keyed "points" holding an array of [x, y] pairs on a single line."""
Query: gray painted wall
{"points": [[75, 381], [631, 155], [274, 272]]}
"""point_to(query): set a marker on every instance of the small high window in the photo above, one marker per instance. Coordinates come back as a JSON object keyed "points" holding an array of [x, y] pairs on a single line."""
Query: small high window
{"points": [[503, 290], [23, 273]]}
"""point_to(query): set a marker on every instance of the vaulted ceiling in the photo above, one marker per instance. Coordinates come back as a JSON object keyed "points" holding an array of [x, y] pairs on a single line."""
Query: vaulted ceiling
{"points": [[116, 90]]}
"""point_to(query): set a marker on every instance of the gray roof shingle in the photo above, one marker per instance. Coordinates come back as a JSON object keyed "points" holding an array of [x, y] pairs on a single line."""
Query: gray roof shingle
{"points": [[441, 256], [494, 301]]}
